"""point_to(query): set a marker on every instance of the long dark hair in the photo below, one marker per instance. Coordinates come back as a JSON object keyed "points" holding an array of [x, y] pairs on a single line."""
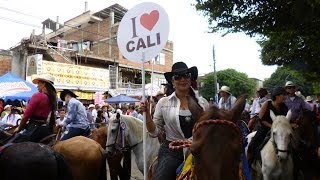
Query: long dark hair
{"points": [[194, 106], [52, 94]]}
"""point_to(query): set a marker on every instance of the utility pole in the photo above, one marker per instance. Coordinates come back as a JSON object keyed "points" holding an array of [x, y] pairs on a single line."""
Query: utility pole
{"points": [[215, 75]]}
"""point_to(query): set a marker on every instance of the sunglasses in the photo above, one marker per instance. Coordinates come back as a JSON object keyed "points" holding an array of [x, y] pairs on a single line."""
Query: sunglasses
{"points": [[290, 87], [180, 76]]}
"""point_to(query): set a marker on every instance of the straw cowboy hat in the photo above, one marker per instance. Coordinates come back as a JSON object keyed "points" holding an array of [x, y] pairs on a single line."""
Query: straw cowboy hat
{"points": [[225, 89], [309, 98], [65, 92], [42, 77], [179, 68]]}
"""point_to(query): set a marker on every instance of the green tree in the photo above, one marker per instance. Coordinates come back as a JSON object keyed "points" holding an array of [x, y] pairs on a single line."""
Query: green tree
{"points": [[238, 82], [289, 29], [283, 74]]}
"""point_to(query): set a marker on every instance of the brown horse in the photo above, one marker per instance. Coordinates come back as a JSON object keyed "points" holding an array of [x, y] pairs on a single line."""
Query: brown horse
{"points": [[114, 161], [217, 143], [85, 157], [32, 161], [78, 148], [305, 142]]}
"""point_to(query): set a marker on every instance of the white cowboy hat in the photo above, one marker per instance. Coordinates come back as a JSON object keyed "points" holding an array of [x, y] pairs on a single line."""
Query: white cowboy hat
{"points": [[289, 83], [6, 106], [309, 98], [225, 89], [91, 106], [42, 77]]}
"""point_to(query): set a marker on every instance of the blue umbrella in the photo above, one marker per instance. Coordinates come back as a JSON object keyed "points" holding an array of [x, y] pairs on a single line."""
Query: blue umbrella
{"points": [[121, 99], [13, 87]]}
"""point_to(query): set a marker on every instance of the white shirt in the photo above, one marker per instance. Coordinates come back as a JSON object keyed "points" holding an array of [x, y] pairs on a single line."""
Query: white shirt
{"points": [[228, 104], [105, 115], [166, 116], [11, 119], [59, 122], [94, 114], [256, 105]]}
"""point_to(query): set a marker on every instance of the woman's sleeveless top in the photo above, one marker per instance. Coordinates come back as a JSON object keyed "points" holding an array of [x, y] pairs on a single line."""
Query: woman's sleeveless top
{"points": [[186, 122]]}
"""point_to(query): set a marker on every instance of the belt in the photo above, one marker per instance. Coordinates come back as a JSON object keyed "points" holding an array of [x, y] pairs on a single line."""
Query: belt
{"points": [[38, 121]]}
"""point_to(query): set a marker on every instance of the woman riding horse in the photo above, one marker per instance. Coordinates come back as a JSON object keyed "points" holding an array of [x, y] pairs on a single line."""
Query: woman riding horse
{"points": [[279, 108], [176, 113], [41, 109]]}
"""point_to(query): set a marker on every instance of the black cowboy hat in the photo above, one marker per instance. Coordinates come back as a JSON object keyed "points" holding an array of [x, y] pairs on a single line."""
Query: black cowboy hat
{"points": [[65, 92], [179, 68]]}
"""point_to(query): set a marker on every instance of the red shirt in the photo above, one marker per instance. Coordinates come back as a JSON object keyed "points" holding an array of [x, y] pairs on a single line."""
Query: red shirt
{"points": [[38, 106]]}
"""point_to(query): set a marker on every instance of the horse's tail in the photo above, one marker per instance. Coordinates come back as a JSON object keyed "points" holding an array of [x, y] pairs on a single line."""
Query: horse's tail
{"points": [[64, 172], [103, 170]]}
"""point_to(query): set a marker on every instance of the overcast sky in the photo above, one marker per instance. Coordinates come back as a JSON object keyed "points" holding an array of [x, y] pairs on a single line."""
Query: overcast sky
{"points": [[188, 31]]}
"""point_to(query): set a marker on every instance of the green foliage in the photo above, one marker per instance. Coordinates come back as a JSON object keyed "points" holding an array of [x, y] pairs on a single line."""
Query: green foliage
{"points": [[283, 74], [289, 29], [238, 82]]}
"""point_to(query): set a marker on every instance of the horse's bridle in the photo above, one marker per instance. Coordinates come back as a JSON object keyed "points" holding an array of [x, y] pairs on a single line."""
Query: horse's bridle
{"points": [[219, 122], [114, 145], [187, 143], [280, 150]]}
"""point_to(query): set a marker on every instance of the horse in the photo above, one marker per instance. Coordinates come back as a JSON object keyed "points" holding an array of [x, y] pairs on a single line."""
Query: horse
{"points": [[217, 143], [114, 161], [32, 161], [126, 133], [86, 158], [276, 154], [306, 162]]}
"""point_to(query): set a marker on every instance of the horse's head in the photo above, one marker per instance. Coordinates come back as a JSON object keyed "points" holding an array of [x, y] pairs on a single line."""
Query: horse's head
{"points": [[281, 134], [123, 132], [217, 138], [307, 130], [113, 134]]}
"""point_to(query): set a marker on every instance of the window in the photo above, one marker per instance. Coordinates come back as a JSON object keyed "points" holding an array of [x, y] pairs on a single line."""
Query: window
{"points": [[160, 59]]}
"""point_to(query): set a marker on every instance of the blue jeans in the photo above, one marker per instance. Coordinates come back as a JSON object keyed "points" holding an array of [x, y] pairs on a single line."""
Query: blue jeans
{"points": [[72, 132], [168, 162]]}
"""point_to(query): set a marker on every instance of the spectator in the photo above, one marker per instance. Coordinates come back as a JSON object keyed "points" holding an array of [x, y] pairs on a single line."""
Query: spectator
{"points": [[6, 110], [226, 101]]}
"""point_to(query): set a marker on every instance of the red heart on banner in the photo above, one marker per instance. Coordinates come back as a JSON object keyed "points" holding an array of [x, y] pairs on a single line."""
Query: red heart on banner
{"points": [[149, 20]]}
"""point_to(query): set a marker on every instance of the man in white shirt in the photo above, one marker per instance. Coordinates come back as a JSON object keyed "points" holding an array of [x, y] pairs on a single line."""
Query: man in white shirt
{"points": [[226, 101]]}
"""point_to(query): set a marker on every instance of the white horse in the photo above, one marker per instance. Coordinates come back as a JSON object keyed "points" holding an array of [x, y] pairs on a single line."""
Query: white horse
{"points": [[275, 156], [127, 131]]}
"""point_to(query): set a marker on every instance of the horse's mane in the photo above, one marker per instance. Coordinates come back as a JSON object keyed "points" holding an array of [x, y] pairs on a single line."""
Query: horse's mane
{"points": [[136, 125]]}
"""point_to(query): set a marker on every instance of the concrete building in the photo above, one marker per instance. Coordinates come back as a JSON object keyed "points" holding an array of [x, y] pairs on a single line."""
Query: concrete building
{"points": [[83, 55]]}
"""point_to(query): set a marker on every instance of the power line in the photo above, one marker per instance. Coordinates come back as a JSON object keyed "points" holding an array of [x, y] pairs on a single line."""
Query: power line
{"points": [[32, 25]]}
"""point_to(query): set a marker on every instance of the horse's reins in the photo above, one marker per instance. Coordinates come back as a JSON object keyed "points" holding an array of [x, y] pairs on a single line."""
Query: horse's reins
{"points": [[187, 143]]}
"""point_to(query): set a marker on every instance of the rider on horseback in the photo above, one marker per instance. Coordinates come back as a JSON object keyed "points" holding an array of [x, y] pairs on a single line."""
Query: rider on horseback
{"points": [[76, 120], [279, 108], [39, 118]]}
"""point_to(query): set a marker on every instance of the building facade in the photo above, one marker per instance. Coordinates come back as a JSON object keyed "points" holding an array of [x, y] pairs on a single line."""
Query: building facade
{"points": [[83, 55]]}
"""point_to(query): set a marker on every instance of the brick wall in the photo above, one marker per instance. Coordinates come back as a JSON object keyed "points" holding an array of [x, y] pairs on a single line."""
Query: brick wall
{"points": [[5, 63], [93, 32]]}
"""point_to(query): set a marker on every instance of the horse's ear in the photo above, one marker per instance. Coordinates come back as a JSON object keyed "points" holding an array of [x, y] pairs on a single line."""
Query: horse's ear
{"points": [[238, 107], [272, 115], [289, 114]]}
